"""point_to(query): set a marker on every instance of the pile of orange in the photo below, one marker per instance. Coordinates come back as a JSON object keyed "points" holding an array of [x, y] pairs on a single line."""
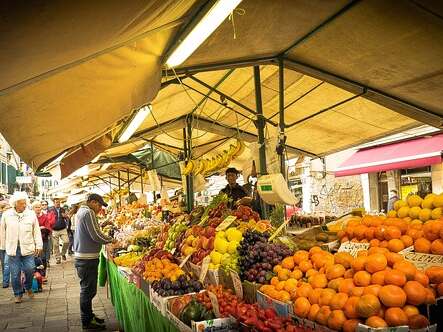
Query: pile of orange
{"points": [[396, 234], [156, 269], [378, 288]]}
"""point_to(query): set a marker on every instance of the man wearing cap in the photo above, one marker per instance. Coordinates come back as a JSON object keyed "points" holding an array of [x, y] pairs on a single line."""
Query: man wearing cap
{"points": [[234, 191], [88, 240], [20, 236]]}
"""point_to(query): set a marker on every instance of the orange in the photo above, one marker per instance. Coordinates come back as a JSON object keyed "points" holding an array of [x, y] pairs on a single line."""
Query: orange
{"points": [[280, 286], [288, 263], [296, 274], [304, 290], [274, 281], [358, 264], [407, 240], [407, 268], [378, 278], [318, 281], [376, 262], [283, 274], [305, 266], [395, 277], [422, 245], [396, 245], [302, 307], [362, 279]]}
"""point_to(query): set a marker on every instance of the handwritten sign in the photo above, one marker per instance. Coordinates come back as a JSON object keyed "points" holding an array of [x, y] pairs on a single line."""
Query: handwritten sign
{"points": [[203, 220], [185, 260], [226, 223], [205, 268], [214, 302], [406, 250], [353, 247], [278, 230], [423, 261], [238, 287]]}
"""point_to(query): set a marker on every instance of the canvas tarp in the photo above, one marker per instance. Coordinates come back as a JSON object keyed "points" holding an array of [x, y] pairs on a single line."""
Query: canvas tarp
{"points": [[92, 63], [71, 70]]}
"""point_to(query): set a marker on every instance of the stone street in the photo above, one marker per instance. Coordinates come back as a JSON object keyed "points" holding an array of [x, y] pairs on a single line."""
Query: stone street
{"points": [[56, 308]]}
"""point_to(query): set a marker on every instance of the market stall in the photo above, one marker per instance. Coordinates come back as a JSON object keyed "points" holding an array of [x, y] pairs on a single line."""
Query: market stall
{"points": [[217, 269]]}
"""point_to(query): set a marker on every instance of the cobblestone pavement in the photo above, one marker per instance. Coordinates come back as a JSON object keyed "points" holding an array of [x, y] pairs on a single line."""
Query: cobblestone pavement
{"points": [[56, 308]]}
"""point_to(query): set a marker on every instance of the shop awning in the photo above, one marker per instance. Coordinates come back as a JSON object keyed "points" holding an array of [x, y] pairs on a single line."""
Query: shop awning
{"points": [[415, 153]]}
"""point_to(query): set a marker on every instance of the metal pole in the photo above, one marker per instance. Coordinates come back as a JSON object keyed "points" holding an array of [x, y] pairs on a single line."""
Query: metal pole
{"points": [[189, 178], [281, 122], [152, 167], [119, 188], [141, 178], [261, 132], [260, 121]]}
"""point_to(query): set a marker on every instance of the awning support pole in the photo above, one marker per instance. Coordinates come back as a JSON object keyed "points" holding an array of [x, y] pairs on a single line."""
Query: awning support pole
{"points": [[119, 189], [152, 167], [261, 131], [190, 179], [281, 122], [141, 178], [129, 183]]}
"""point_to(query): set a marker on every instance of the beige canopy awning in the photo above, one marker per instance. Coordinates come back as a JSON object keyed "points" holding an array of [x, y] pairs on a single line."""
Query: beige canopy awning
{"points": [[71, 70], [354, 71]]}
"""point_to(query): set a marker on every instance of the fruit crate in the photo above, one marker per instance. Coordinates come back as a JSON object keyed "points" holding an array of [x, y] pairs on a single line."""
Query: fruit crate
{"points": [[212, 277], [282, 308], [160, 302], [212, 325], [250, 290]]}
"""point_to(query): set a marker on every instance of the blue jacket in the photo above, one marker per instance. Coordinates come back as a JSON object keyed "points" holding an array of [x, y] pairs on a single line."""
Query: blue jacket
{"points": [[88, 238]]}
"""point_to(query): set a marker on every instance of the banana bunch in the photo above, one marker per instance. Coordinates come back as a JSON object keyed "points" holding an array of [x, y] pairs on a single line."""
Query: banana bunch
{"points": [[221, 160]]}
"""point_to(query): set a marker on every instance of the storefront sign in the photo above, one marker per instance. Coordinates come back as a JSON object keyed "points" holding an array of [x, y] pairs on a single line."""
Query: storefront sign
{"points": [[23, 179]]}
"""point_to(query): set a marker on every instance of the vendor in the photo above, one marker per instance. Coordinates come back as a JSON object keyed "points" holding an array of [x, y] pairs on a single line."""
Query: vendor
{"points": [[234, 191]]}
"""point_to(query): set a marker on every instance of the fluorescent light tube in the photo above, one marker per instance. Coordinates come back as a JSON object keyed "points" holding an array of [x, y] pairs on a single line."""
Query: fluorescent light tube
{"points": [[135, 122], [211, 21]]}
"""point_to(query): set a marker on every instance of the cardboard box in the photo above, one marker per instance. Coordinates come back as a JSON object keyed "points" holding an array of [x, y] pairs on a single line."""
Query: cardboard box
{"points": [[160, 302], [365, 328], [213, 325], [250, 290], [212, 277], [281, 308]]}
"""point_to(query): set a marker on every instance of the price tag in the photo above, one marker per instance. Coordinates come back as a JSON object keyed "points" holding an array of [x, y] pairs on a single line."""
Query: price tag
{"points": [[238, 287], [353, 247], [214, 303], [185, 260], [226, 223], [278, 230], [173, 251], [205, 267], [203, 220], [423, 261], [406, 250]]}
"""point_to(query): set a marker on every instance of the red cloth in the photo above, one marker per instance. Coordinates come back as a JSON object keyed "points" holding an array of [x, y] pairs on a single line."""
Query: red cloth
{"points": [[46, 220]]}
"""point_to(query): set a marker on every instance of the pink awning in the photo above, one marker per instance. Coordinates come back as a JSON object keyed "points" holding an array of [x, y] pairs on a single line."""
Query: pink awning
{"points": [[415, 153]]}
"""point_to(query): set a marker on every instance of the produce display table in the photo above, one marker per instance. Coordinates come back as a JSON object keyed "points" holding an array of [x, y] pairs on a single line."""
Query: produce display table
{"points": [[133, 309]]}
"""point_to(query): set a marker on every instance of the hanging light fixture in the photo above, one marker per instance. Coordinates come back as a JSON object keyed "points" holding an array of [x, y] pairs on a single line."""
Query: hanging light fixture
{"points": [[135, 122], [204, 28]]}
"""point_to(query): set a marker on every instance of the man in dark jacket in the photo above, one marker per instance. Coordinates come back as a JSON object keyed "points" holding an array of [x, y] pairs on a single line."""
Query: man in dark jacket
{"points": [[234, 191], [88, 240], [59, 231]]}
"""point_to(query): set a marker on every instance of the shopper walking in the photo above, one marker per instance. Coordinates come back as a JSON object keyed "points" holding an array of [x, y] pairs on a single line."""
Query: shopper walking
{"points": [[6, 275], [59, 232], [46, 222], [393, 197], [71, 228], [88, 240], [21, 238]]}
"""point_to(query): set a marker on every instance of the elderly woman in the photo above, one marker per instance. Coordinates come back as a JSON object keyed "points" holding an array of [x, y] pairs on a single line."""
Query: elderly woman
{"points": [[20, 236], [4, 205], [46, 222]]}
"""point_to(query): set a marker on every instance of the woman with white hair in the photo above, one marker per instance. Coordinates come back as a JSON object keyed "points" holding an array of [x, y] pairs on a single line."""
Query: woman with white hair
{"points": [[21, 238]]}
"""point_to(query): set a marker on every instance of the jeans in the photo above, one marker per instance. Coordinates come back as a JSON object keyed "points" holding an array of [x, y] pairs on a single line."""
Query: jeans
{"points": [[45, 253], [87, 271], [5, 268], [17, 264]]}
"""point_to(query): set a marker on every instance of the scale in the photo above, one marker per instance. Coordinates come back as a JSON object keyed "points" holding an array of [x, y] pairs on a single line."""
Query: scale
{"points": [[273, 189]]}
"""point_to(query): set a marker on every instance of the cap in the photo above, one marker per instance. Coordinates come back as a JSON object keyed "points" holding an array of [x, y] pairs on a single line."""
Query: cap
{"points": [[232, 170], [97, 198], [18, 196]]}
